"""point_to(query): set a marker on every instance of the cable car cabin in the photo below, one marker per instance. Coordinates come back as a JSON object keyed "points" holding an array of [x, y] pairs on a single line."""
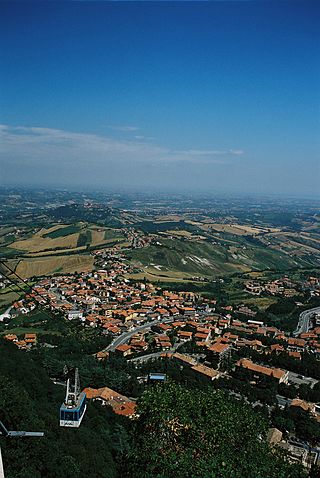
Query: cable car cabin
{"points": [[71, 415]]}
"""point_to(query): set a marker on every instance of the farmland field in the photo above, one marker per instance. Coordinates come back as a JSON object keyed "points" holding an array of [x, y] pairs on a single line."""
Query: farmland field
{"points": [[50, 265], [41, 241]]}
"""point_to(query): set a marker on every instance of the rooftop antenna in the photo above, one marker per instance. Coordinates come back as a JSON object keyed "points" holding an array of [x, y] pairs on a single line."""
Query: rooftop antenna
{"points": [[13, 434]]}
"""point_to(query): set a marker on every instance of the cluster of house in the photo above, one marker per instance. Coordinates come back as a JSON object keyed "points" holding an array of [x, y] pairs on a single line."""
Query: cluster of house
{"points": [[204, 332], [25, 343], [283, 343], [297, 451], [137, 239], [284, 287], [196, 368], [106, 299], [217, 335]]}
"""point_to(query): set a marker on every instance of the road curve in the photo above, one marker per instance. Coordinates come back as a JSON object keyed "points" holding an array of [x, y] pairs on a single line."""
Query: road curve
{"points": [[304, 319], [123, 338]]}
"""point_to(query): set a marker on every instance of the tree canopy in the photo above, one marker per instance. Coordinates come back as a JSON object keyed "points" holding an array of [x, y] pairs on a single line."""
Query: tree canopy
{"points": [[201, 433]]}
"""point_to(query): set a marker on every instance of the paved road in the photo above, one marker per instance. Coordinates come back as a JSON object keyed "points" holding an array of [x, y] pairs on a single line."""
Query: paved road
{"points": [[301, 379], [123, 338], [145, 358], [304, 320]]}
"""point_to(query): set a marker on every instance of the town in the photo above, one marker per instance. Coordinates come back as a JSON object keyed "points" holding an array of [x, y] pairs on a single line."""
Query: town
{"points": [[224, 345]]}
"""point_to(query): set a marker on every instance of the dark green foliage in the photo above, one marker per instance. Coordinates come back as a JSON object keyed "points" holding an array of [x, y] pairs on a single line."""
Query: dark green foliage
{"points": [[84, 238], [296, 420], [152, 227], [282, 307], [112, 234], [309, 394], [63, 231], [185, 433], [30, 401], [77, 212]]}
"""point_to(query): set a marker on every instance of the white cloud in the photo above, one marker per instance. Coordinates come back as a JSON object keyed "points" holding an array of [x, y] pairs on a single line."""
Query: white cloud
{"points": [[44, 145], [123, 128]]}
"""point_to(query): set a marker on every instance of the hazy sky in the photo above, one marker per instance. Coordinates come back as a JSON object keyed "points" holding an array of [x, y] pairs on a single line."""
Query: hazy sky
{"points": [[221, 96]]}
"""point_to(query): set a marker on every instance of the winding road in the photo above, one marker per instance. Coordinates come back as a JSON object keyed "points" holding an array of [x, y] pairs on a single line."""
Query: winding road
{"points": [[304, 320], [123, 338]]}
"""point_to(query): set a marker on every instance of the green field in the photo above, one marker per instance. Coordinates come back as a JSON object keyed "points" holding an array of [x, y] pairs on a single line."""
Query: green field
{"points": [[113, 234], [84, 238], [182, 258]]}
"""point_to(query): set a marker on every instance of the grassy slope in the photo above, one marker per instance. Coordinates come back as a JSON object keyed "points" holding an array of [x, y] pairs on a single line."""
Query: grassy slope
{"points": [[207, 259]]}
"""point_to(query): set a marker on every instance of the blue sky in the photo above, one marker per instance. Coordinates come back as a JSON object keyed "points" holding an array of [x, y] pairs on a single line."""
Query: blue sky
{"points": [[210, 96]]}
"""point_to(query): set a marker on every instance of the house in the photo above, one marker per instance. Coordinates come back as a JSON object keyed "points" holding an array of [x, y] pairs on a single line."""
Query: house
{"points": [[160, 328], [102, 355], [184, 359], [203, 334], [162, 312], [120, 404], [182, 335], [207, 372], [246, 311], [11, 337], [123, 350], [139, 345], [254, 287], [277, 348], [274, 436], [163, 342], [30, 339], [75, 314], [303, 405], [296, 355], [280, 375], [187, 311], [219, 353], [155, 377]]}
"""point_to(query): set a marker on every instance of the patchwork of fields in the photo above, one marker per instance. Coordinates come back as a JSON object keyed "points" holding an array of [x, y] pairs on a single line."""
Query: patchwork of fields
{"points": [[180, 249], [65, 238]]}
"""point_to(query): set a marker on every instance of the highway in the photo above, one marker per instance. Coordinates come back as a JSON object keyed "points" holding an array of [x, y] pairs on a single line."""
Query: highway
{"points": [[304, 319]]}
